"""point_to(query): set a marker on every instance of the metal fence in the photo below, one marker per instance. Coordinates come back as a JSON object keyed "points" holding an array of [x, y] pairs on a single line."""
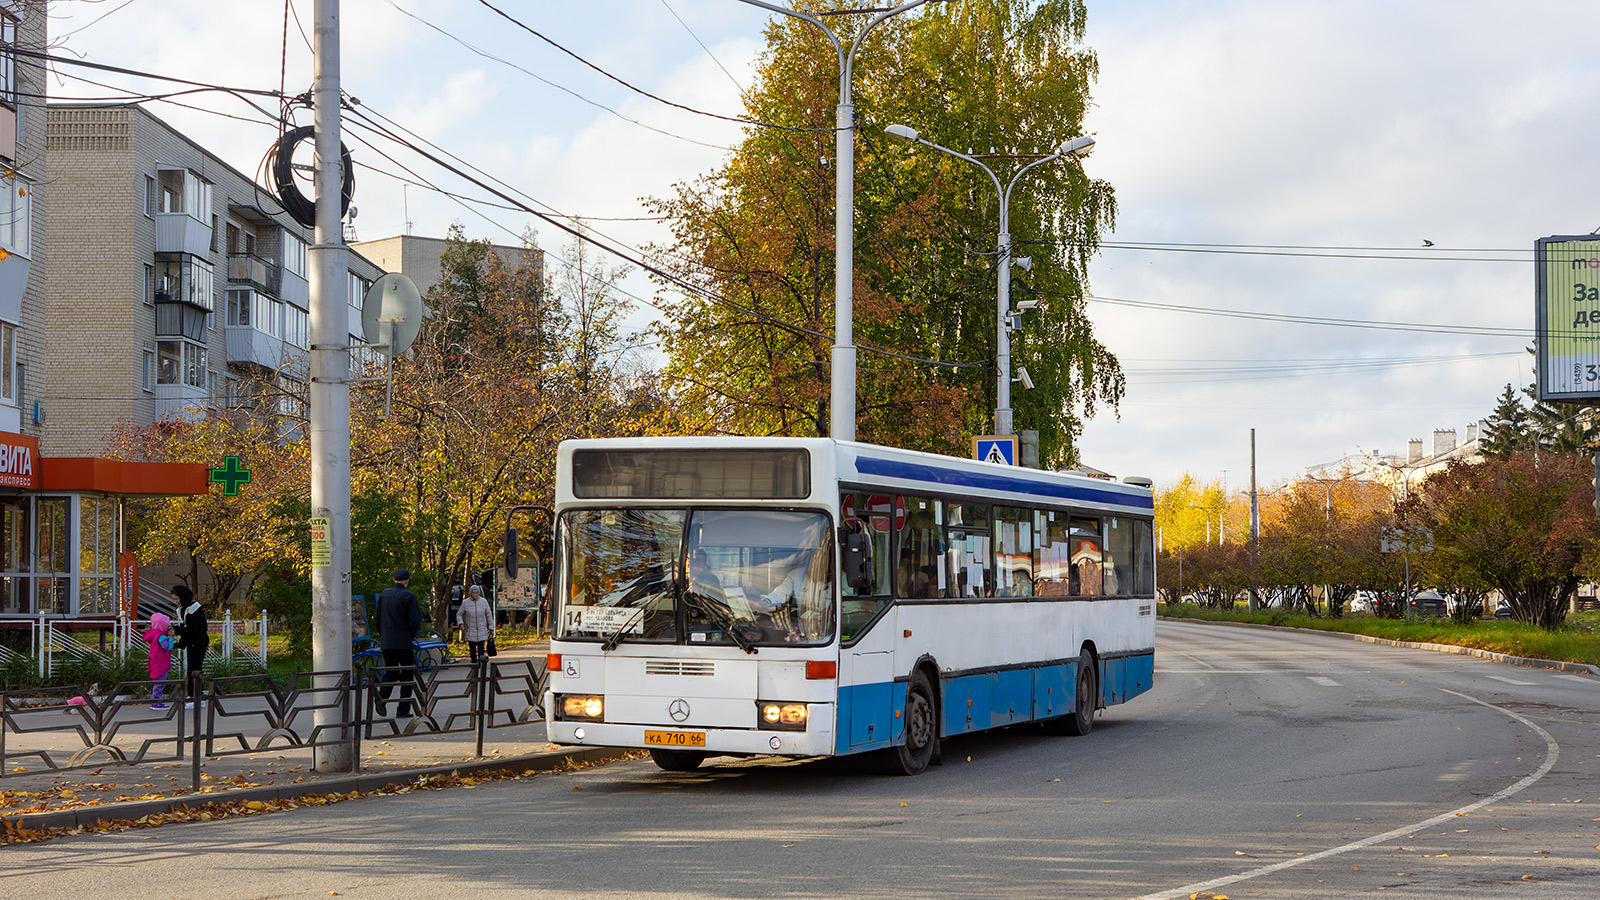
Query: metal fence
{"points": [[52, 639], [245, 714]]}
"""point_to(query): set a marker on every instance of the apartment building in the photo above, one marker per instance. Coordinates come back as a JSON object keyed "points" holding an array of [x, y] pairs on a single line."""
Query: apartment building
{"points": [[23, 182], [174, 282]]}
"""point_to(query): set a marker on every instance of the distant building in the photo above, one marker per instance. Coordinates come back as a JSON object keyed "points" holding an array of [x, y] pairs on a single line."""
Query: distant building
{"points": [[418, 257], [1401, 470]]}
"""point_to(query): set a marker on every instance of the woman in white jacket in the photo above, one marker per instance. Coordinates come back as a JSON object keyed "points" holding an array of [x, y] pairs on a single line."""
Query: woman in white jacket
{"points": [[476, 621]]}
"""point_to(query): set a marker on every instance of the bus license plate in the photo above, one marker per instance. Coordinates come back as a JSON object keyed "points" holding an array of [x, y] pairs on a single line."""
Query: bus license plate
{"points": [[674, 738]]}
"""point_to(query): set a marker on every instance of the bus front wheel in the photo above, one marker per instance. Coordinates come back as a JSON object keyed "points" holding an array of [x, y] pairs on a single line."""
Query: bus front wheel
{"points": [[677, 760], [922, 730]]}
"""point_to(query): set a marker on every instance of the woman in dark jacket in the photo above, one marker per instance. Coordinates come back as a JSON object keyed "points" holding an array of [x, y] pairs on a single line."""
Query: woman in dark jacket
{"points": [[190, 627]]}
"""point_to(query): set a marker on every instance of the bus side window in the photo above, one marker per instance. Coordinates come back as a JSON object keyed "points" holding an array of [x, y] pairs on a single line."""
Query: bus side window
{"points": [[864, 528], [1084, 578], [1013, 552], [920, 571]]}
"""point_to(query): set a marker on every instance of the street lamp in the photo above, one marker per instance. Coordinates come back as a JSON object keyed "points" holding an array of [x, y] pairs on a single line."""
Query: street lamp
{"points": [[1002, 378], [842, 396]]}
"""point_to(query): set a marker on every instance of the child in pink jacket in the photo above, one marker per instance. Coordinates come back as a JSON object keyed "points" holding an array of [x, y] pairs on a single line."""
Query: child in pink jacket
{"points": [[159, 640]]}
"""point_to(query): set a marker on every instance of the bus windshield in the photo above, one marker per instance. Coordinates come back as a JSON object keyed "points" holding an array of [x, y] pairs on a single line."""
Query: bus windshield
{"points": [[706, 576]]}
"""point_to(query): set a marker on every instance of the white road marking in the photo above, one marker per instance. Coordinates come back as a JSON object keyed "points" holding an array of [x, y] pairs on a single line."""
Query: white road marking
{"points": [[1552, 752], [1574, 678], [1323, 680], [1512, 680]]}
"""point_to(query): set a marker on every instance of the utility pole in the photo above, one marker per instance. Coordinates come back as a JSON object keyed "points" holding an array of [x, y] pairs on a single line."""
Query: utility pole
{"points": [[1255, 519], [329, 394]]}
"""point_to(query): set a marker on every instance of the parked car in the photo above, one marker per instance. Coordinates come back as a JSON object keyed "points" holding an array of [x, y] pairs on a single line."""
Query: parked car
{"points": [[1429, 603], [1502, 609], [1364, 602]]}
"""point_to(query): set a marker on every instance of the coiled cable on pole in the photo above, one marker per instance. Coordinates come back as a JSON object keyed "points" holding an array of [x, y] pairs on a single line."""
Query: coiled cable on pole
{"points": [[296, 204]]}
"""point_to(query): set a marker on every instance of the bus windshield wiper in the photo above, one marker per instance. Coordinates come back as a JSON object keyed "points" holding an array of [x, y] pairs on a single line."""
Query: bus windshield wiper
{"points": [[616, 636], [728, 627]]}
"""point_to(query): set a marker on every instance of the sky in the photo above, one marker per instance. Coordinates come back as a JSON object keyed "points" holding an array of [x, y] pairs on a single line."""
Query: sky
{"points": [[1321, 205]]}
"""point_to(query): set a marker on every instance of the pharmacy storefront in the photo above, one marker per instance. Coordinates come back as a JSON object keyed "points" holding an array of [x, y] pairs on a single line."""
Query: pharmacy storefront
{"points": [[61, 527]]}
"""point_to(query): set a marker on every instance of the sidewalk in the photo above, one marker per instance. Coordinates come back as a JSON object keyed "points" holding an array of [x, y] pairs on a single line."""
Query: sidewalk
{"points": [[38, 797]]}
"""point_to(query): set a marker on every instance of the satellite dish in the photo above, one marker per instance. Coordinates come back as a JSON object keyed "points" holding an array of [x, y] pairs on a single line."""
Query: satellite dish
{"points": [[393, 305]]}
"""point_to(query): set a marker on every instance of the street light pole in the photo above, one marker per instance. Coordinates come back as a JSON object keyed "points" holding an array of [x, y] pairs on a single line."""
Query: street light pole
{"points": [[1002, 356], [842, 385]]}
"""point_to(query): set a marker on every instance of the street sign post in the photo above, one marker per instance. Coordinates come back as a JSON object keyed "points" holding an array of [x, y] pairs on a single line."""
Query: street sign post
{"points": [[1000, 449], [1416, 539]]}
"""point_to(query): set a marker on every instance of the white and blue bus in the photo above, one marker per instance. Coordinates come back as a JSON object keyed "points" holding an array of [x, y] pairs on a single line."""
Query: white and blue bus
{"points": [[812, 597]]}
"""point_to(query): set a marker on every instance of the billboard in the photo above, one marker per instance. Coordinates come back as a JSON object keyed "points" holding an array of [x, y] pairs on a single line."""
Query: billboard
{"points": [[1567, 336]]}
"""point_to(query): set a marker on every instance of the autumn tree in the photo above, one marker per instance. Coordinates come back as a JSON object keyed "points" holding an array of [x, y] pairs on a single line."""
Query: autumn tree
{"points": [[749, 334], [1523, 525], [511, 361], [227, 537]]}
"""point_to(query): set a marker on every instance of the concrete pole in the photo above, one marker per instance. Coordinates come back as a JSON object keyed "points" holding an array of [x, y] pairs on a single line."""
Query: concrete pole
{"points": [[1002, 337], [842, 386], [330, 393]]}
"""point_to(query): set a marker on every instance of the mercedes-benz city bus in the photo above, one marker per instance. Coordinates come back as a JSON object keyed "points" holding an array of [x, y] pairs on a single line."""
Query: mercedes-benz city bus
{"points": [[812, 597]]}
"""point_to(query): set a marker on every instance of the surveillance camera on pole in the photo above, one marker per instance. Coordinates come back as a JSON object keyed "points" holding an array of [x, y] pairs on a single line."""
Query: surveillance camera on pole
{"points": [[1022, 376]]}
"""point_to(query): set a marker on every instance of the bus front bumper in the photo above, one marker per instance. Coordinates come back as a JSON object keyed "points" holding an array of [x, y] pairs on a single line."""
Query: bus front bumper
{"points": [[816, 740]]}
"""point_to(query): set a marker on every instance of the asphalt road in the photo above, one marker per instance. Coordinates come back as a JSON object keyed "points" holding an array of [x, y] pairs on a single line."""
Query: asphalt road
{"points": [[1263, 764]]}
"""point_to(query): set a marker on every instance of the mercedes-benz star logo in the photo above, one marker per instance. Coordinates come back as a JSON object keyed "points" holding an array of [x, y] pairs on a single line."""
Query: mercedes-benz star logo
{"points": [[678, 710]]}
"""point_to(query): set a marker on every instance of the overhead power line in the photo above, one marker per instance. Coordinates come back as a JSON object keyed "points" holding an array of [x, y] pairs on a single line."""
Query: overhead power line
{"points": [[641, 91], [1432, 328]]}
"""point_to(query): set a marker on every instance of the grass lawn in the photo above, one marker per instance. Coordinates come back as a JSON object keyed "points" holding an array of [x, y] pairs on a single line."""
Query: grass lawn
{"points": [[1578, 640]]}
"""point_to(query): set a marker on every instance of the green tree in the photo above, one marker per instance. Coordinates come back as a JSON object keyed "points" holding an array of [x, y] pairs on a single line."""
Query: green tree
{"points": [[749, 338]]}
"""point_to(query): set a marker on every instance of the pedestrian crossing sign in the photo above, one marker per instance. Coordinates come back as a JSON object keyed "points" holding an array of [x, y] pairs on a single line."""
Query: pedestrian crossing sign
{"points": [[1000, 449]]}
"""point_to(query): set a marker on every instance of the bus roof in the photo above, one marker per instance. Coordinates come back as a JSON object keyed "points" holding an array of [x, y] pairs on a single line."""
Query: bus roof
{"points": [[854, 464]]}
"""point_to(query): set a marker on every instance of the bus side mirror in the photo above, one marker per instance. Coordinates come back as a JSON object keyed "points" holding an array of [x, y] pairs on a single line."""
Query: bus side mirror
{"points": [[855, 556], [511, 552]]}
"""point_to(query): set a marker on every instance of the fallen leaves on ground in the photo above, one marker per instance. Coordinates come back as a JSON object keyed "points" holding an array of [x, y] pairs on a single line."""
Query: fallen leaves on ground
{"points": [[15, 833]]}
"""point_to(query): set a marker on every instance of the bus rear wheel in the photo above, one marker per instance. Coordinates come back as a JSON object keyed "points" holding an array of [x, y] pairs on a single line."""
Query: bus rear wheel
{"points": [[922, 730], [677, 760], [1086, 698]]}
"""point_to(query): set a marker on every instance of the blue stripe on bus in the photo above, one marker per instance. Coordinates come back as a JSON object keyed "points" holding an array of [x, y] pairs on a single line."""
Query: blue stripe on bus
{"points": [[870, 715], [868, 465]]}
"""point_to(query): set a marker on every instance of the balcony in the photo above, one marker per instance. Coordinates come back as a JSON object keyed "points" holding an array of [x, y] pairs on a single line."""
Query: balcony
{"points": [[182, 233], [264, 274]]}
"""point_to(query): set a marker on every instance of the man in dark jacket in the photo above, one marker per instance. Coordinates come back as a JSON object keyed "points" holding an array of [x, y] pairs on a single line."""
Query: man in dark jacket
{"points": [[399, 620], [193, 636]]}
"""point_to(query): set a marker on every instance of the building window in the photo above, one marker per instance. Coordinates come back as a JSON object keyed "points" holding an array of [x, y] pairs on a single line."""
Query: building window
{"points": [[8, 362], [16, 214], [239, 305], [181, 362], [185, 278], [182, 191], [213, 234], [149, 195], [294, 255], [296, 325], [148, 289], [147, 377], [8, 61], [358, 291]]}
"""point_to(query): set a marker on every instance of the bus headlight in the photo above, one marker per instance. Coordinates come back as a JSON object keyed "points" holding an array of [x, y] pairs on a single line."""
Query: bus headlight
{"points": [[787, 716], [582, 706]]}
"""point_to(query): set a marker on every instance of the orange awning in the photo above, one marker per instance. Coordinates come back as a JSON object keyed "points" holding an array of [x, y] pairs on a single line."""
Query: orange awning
{"points": [[115, 476]]}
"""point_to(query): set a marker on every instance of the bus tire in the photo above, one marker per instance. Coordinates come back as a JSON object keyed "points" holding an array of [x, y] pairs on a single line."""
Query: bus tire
{"points": [[922, 730], [1086, 696], [677, 760]]}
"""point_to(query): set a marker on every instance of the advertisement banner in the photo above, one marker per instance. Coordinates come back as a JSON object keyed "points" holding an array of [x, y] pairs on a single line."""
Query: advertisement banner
{"points": [[1567, 319], [19, 461], [128, 584]]}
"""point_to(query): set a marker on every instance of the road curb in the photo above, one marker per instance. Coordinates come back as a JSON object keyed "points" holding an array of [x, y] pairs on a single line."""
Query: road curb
{"points": [[339, 784], [1506, 658]]}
